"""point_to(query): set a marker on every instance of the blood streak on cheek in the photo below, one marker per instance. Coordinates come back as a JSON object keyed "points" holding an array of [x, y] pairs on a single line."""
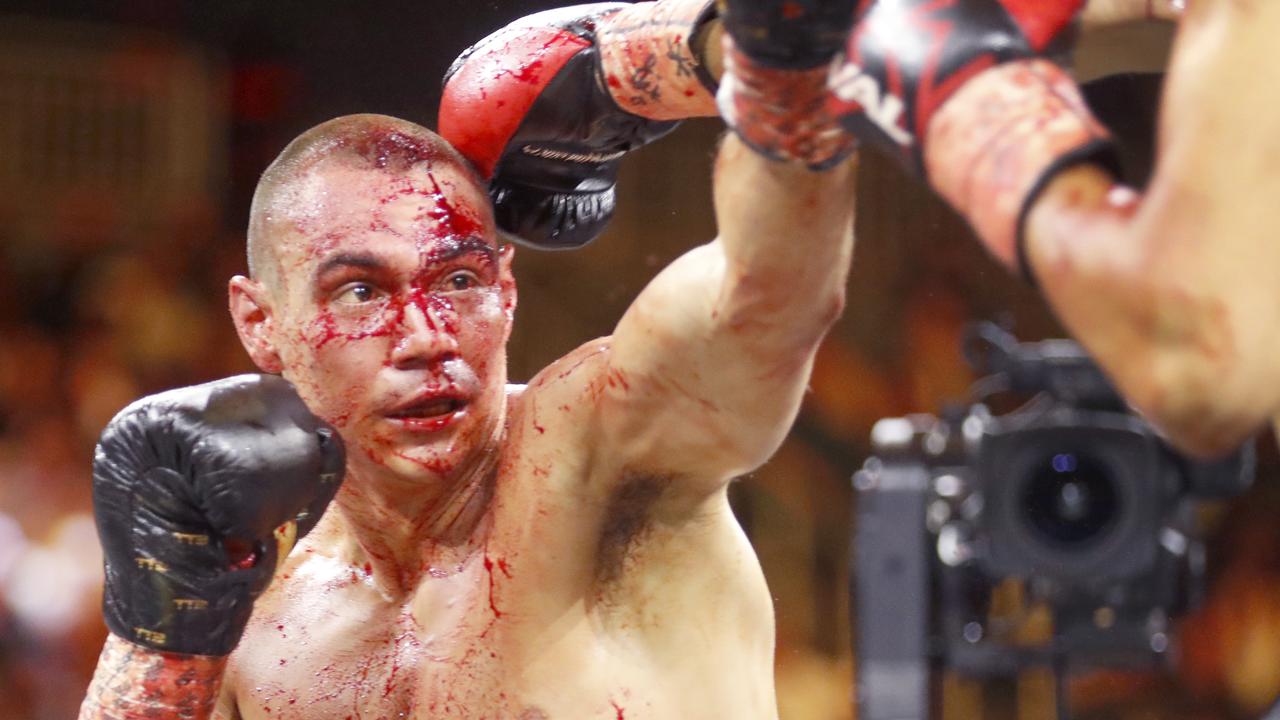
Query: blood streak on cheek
{"points": [[327, 327], [341, 419], [616, 378], [321, 330]]}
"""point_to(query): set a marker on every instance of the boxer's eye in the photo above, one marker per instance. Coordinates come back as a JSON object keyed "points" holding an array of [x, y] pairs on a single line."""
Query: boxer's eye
{"points": [[460, 280], [356, 293]]}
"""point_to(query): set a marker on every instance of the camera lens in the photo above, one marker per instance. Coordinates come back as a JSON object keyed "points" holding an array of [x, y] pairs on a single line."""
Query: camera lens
{"points": [[1069, 499]]}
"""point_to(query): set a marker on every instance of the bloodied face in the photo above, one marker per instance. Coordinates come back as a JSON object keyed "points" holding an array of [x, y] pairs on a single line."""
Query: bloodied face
{"points": [[390, 310]]}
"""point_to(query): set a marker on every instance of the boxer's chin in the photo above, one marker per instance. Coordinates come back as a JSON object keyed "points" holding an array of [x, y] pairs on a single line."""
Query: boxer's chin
{"points": [[414, 459]]}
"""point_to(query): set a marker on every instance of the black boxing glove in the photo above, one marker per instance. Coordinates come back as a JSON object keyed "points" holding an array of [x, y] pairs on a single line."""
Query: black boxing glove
{"points": [[966, 94], [777, 56], [189, 487], [546, 107]]}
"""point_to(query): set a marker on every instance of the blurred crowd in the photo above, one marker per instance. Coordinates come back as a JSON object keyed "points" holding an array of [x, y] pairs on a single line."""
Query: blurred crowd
{"points": [[93, 316]]}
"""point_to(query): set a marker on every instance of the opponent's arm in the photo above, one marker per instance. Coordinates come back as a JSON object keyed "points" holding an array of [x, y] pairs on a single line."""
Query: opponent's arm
{"points": [[1170, 295], [197, 493], [708, 366], [1176, 292]]}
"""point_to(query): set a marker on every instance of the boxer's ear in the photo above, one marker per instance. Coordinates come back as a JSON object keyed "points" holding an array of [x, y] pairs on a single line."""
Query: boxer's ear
{"points": [[507, 282], [251, 310]]}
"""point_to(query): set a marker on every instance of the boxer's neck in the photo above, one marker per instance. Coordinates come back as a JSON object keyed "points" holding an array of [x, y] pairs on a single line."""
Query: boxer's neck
{"points": [[401, 531]]}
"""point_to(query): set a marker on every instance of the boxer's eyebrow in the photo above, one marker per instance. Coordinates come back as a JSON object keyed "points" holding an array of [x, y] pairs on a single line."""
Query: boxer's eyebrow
{"points": [[464, 246], [365, 261]]}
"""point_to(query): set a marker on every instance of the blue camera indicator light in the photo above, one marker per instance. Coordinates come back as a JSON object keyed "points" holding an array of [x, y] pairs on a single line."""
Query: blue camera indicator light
{"points": [[1064, 463]]}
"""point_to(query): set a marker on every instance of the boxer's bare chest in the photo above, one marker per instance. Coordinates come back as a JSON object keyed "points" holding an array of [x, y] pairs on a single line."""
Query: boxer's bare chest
{"points": [[331, 644], [497, 635]]}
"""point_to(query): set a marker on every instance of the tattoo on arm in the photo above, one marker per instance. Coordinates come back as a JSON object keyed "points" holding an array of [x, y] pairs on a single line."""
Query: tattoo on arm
{"points": [[135, 682]]}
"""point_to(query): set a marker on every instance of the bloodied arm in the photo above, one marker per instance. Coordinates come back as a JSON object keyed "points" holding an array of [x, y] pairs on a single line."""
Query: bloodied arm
{"points": [[136, 682], [1175, 291], [709, 365], [712, 359], [197, 492]]}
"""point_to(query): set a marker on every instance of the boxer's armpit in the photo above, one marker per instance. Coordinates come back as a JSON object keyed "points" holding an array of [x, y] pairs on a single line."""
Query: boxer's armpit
{"points": [[135, 682]]}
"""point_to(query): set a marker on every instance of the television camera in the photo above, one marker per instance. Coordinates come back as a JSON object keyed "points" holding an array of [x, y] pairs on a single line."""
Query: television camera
{"points": [[1071, 498]]}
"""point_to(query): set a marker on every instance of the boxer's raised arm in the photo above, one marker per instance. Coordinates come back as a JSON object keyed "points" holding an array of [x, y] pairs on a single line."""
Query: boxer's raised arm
{"points": [[712, 359], [1177, 293], [708, 366]]}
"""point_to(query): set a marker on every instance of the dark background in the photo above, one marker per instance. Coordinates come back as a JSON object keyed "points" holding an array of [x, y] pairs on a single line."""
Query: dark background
{"points": [[131, 136]]}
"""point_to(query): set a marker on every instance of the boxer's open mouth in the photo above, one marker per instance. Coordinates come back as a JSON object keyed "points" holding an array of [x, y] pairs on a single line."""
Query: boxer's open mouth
{"points": [[432, 408]]}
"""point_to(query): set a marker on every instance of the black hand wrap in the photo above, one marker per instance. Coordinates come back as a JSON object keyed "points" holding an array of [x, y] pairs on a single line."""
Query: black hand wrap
{"points": [[188, 487], [788, 34]]}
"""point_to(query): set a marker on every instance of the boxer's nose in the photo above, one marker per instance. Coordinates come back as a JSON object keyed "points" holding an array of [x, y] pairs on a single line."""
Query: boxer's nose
{"points": [[424, 337]]}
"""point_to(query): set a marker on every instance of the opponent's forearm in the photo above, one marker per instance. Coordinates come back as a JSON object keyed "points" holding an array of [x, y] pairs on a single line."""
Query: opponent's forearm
{"points": [[1146, 313], [136, 682]]}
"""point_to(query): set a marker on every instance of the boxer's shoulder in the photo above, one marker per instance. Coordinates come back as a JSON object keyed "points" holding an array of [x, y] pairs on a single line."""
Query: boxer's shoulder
{"points": [[559, 401]]}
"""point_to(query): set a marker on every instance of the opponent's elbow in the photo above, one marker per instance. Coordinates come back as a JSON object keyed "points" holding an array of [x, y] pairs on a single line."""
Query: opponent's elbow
{"points": [[829, 309], [1200, 405], [1194, 367]]}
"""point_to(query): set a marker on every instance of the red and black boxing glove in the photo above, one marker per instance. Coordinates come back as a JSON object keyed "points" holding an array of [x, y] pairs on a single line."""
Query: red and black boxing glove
{"points": [[546, 107], [967, 94]]}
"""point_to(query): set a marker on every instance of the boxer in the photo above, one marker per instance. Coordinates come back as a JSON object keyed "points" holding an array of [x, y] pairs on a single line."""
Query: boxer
{"points": [[561, 550]]}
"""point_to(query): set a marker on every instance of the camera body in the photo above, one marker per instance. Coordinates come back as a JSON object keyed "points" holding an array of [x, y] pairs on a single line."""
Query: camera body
{"points": [[1071, 498]]}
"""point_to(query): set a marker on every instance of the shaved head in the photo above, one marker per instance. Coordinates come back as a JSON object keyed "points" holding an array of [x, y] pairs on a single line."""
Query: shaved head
{"points": [[374, 142]]}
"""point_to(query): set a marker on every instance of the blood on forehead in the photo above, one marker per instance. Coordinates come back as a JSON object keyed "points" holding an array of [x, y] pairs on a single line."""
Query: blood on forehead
{"points": [[347, 202], [447, 206]]}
